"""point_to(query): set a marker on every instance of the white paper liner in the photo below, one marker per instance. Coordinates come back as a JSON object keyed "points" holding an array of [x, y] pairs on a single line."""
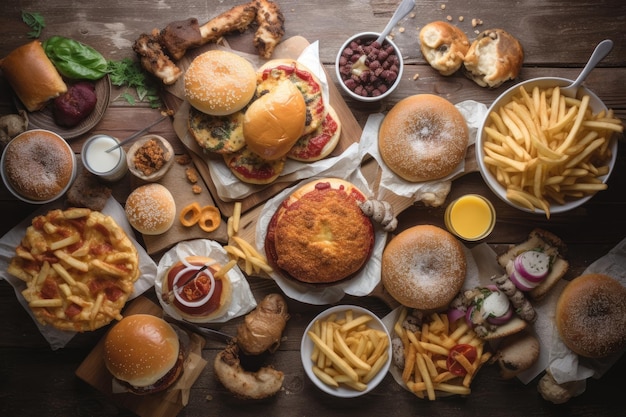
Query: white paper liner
{"points": [[565, 365], [361, 285], [473, 112], [227, 185], [472, 278], [59, 338], [242, 300]]}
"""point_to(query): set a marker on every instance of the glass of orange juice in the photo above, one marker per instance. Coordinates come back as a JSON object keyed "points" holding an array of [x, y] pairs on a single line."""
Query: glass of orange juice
{"points": [[470, 217]]}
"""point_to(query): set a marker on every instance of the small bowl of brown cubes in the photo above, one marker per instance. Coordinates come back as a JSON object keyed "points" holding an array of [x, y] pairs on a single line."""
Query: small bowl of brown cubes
{"points": [[150, 157], [366, 70]]}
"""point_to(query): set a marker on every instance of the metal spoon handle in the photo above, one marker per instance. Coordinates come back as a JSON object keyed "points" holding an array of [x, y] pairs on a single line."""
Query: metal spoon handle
{"points": [[134, 135], [602, 50], [403, 9]]}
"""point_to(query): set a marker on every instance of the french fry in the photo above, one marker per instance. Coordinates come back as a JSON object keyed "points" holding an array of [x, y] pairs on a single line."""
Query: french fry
{"points": [[427, 354], [347, 350], [334, 358], [542, 138]]}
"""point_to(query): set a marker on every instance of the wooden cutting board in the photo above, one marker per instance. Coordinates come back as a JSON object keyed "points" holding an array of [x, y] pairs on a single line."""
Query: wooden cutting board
{"points": [[93, 371], [289, 48]]}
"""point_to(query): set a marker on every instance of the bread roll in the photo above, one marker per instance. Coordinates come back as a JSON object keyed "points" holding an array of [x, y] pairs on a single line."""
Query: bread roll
{"points": [[219, 82], [32, 75], [275, 121], [444, 46], [423, 137], [591, 315], [494, 57], [151, 209]]}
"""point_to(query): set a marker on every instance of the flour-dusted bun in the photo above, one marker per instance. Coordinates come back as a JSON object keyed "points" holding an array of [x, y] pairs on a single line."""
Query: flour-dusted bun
{"points": [[444, 46], [423, 137], [219, 82], [424, 267], [319, 234], [274, 122], [38, 165], [143, 351], [32, 75], [591, 315], [151, 209], [494, 57]]}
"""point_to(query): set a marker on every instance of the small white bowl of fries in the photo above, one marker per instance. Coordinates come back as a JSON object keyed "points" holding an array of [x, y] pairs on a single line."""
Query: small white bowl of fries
{"points": [[346, 351], [542, 152]]}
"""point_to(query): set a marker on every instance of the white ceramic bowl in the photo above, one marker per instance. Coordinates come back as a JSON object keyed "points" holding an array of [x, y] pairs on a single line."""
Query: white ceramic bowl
{"points": [[369, 36], [306, 349], [42, 133], [544, 82]]}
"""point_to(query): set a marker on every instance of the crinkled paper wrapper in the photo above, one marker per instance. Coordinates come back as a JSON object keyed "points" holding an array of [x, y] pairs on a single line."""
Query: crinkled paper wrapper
{"points": [[55, 337], [242, 300], [565, 365], [431, 193], [361, 285]]}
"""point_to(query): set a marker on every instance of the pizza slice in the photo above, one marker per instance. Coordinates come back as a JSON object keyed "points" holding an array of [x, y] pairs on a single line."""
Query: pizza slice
{"points": [[319, 143], [251, 168]]}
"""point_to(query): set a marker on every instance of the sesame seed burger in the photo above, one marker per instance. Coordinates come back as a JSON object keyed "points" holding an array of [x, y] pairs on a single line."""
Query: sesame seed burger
{"points": [[144, 353]]}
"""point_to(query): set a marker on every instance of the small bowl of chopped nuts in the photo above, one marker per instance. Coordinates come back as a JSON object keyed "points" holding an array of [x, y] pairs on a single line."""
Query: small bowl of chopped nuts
{"points": [[366, 70], [150, 157]]}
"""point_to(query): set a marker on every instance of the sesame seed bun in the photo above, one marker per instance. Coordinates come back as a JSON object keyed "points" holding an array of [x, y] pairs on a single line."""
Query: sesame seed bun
{"points": [[151, 209], [219, 82], [142, 350]]}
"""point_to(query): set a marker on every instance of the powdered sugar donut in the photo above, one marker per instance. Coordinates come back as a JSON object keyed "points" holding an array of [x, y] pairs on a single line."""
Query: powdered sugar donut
{"points": [[424, 267], [423, 137]]}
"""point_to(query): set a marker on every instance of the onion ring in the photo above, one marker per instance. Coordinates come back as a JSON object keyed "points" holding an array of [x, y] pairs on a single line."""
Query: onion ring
{"points": [[209, 218], [195, 210]]}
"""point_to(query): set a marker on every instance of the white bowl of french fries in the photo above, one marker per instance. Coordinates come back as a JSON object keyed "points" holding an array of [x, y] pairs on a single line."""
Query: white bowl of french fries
{"points": [[346, 351], [542, 152]]}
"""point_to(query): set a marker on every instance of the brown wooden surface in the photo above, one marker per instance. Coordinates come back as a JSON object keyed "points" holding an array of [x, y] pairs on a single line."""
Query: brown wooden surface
{"points": [[558, 37]]}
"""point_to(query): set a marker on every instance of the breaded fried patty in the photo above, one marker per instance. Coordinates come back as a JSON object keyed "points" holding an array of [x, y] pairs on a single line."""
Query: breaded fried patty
{"points": [[322, 236]]}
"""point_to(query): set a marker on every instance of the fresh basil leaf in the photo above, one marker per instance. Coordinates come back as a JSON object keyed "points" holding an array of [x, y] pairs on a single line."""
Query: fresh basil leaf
{"points": [[74, 59], [35, 21]]}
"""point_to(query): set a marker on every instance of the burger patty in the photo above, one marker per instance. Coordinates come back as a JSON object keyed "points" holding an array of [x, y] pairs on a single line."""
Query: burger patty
{"points": [[165, 382], [323, 237]]}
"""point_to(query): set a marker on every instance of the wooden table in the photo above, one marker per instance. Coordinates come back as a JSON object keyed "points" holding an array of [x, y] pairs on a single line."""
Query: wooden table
{"points": [[558, 37]]}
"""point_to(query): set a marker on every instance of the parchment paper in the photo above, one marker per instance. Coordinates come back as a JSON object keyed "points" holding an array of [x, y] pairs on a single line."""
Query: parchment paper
{"points": [[361, 285], [432, 193], [59, 338], [565, 365], [229, 187], [472, 276], [242, 300]]}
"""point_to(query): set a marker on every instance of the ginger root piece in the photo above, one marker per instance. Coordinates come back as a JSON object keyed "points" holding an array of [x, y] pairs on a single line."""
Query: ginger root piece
{"points": [[263, 383], [263, 327]]}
